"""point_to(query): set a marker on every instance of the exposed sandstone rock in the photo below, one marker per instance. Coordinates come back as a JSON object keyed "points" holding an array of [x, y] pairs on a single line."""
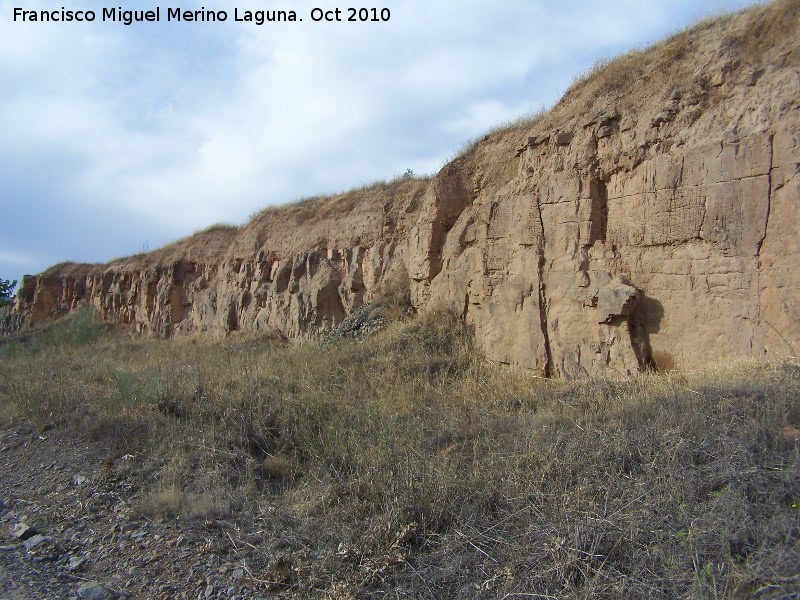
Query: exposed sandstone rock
{"points": [[616, 300], [651, 217]]}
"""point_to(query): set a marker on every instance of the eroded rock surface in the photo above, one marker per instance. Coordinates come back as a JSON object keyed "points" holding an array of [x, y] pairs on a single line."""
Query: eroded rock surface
{"points": [[650, 218]]}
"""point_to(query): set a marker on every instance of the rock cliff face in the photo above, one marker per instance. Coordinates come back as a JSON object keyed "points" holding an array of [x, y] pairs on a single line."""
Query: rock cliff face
{"points": [[651, 218]]}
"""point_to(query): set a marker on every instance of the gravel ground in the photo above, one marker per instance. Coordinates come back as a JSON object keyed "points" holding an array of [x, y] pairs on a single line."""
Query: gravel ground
{"points": [[66, 530]]}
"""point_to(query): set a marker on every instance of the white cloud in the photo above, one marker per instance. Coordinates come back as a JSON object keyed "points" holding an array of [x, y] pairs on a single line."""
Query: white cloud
{"points": [[20, 258], [175, 126]]}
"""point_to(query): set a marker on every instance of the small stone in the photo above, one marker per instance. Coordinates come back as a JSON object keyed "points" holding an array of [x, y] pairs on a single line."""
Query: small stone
{"points": [[718, 78], [753, 78], [604, 131], [76, 564], [78, 479], [91, 590], [34, 541], [563, 138], [603, 117], [662, 117], [22, 531]]}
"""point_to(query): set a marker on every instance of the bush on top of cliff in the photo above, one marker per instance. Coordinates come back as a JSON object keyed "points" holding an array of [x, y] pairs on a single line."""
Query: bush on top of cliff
{"points": [[67, 269]]}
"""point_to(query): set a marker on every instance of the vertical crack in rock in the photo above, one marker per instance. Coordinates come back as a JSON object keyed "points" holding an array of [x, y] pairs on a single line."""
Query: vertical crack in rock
{"points": [[538, 227], [766, 228], [548, 365], [543, 320], [598, 195], [769, 197]]}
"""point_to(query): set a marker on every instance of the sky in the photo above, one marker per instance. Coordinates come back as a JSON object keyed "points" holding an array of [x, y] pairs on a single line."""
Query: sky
{"points": [[116, 139]]}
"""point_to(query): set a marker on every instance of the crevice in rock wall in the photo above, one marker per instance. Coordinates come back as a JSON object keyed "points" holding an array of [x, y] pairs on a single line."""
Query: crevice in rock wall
{"points": [[548, 366], [769, 197], [151, 281], [351, 268], [598, 194], [232, 318], [451, 197], [298, 271], [282, 277], [760, 243], [536, 235]]}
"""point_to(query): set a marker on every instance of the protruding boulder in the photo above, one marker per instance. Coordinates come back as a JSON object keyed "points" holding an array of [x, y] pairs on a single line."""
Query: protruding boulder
{"points": [[564, 137], [616, 300]]}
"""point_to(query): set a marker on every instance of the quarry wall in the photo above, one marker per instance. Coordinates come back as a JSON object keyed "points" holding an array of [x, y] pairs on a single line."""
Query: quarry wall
{"points": [[650, 219]]}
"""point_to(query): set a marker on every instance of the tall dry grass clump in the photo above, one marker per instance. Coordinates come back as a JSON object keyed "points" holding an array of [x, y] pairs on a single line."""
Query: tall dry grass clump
{"points": [[767, 28], [407, 464]]}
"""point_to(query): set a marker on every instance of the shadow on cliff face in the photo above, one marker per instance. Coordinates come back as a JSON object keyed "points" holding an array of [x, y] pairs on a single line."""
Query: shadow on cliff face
{"points": [[645, 321]]}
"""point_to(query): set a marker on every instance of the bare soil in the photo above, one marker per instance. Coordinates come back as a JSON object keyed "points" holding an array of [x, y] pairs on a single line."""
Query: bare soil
{"points": [[70, 490]]}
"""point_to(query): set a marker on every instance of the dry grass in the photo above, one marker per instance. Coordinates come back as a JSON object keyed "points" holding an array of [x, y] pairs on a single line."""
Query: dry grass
{"points": [[393, 296], [314, 208], [744, 38], [408, 465], [517, 124], [767, 28]]}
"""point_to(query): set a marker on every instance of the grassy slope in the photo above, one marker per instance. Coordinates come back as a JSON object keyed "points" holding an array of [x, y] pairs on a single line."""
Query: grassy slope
{"points": [[408, 463]]}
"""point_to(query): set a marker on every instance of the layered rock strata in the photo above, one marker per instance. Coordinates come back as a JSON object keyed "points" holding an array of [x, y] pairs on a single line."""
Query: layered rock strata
{"points": [[650, 219]]}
